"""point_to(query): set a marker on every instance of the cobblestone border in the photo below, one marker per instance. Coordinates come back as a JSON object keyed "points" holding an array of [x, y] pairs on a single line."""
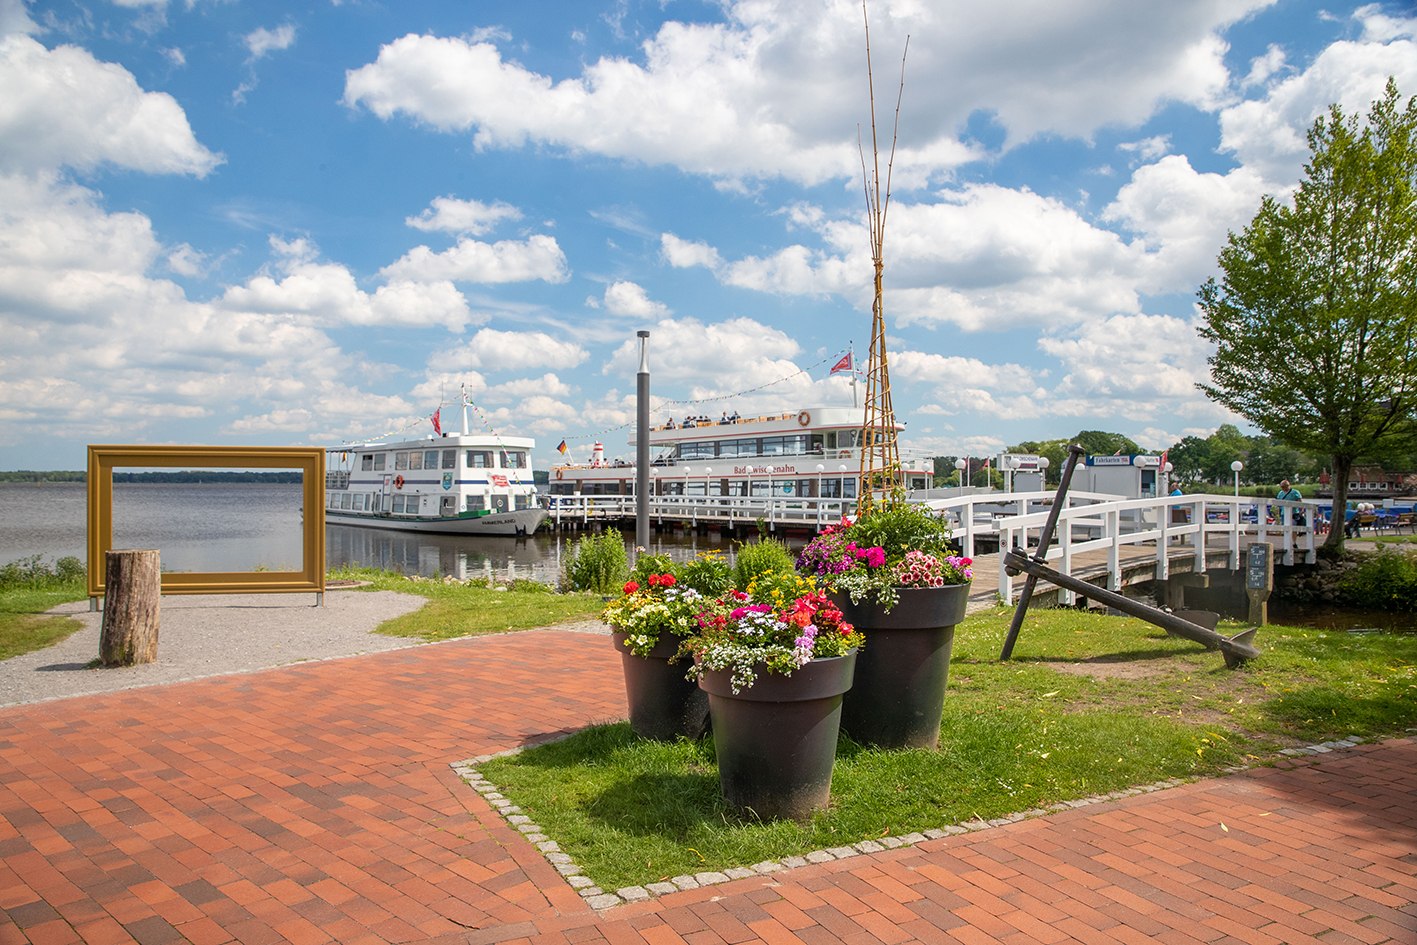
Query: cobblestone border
{"points": [[600, 899]]}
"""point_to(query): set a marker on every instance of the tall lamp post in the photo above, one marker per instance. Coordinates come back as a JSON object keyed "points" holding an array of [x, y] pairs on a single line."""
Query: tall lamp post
{"points": [[1235, 467], [1043, 463], [959, 467], [642, 445]]}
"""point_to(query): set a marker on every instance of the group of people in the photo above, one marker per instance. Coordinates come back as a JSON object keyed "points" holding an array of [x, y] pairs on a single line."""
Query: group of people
{"points": [[696, 421]]}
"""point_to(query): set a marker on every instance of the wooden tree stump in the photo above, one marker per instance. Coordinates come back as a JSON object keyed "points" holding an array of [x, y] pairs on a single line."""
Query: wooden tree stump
{"points": [[133, 582]]}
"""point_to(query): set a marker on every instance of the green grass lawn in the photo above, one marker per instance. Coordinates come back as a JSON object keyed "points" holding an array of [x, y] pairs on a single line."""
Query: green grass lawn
{"points": [[23, 626], [459, 610], [1089, 704]]}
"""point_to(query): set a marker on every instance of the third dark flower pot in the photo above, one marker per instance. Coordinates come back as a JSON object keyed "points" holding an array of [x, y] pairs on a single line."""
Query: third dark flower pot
{"points": [[901, 673], [663, 704], [776, 740]]}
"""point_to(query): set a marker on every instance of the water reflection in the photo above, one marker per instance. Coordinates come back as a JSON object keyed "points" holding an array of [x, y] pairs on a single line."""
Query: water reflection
{"points": [[537, 558]]}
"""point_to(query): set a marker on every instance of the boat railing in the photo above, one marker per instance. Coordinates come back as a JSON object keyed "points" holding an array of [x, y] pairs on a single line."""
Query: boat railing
{"points": [[773, 510]]}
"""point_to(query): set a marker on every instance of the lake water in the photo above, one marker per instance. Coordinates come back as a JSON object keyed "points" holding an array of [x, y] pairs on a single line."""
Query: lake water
{"points": [[256, 526]]}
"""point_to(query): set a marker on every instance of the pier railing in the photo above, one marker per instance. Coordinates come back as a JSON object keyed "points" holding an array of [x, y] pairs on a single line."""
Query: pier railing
{"points": [[732, 510], [1204, 524]]}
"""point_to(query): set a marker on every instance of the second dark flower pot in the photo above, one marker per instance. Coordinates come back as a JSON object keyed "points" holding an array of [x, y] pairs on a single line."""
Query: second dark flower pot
{"points": [[776, 740], [899, 694], [663, 704]]}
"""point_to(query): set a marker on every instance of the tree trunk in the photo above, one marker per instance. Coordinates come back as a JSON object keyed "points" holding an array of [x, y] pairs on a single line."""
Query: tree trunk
{"points": [[1333, 545], [133, 591]]}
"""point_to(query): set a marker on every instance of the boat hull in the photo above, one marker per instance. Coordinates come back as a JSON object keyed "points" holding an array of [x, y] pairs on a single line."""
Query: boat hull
{"points": [[520, 522]]}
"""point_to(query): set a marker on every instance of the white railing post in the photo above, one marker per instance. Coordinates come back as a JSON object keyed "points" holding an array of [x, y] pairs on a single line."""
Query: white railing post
{"points": [[1006, 584], [1163, 551], [1113, 519]]}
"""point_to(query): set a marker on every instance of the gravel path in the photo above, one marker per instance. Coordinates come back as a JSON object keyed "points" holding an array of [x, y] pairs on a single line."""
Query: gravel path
{"points": [[210, 635]]}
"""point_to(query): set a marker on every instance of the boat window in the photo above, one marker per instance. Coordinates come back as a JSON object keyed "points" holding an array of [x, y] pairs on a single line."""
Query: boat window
{"points": [[513, 459], [448, 505], [345, 500], [450, 459], [523, 502], [479, 459], [415, 460], [334, 501], [430, 459], [374, 502], [378, 461], [696, 450], [366, 462], [476, 503], [400, 460]]}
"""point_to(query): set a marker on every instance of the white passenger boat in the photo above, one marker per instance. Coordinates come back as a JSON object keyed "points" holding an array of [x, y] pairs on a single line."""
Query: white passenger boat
{"points": [[805, 454], [453, 483]]}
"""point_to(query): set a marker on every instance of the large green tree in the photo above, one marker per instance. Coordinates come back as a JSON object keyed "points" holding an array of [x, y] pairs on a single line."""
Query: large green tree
{"points": [[1314, 318]]}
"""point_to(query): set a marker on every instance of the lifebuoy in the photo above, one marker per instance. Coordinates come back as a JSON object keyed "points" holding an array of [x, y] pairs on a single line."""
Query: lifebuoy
{"points": [[560, 474], [804, 418], [398, 482]]}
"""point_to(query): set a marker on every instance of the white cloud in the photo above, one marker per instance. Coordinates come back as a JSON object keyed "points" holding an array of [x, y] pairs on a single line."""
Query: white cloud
{"points": [[1147, 149], [1263, 68], [451, 215], [537, 257], [64, 108], [14, 18], [262, 41], [682, 254], [628, 298], [1380, 27], [1267, 135], [950, 372], [768, 93], [495, 350], [1182, 217], [329, 294], [1140, 360]]}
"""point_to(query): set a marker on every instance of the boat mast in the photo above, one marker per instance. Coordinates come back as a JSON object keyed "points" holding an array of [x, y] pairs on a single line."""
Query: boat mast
{"points": [[465, 430]]}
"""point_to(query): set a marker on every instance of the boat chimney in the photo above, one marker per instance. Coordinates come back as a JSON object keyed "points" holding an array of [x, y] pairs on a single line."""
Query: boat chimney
{"points": [[597, 455]]}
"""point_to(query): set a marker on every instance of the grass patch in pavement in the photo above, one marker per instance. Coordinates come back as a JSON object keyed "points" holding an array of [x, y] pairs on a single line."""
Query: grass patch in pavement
{"points": [[457, 609], [28, 589], [1089, 704]]}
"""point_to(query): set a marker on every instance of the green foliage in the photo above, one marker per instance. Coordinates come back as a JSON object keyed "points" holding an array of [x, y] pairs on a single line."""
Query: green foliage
{"points": [[708, 574], [901, 527], [766, 556], [34, 573], [1386, 580], [1313, 320], [597, 563], [647, 564]]}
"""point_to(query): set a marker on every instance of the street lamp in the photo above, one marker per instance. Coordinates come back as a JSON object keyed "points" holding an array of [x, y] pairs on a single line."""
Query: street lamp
{"points": [[688, 471], [842, 495], [959, 467], [708, 474], [820, 469], [1043, 463], [1235, 467]]}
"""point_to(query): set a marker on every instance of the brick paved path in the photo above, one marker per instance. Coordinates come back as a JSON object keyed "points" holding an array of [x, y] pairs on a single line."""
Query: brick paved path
{"points": [[314, 804]]}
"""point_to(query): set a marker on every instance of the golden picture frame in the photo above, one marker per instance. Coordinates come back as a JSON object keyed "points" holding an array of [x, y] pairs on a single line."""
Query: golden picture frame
{"points": [[310, 461]]}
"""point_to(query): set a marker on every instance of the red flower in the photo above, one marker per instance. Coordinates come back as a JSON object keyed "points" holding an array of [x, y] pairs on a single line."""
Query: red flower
{"points": [[667, 580], [631, 587]]}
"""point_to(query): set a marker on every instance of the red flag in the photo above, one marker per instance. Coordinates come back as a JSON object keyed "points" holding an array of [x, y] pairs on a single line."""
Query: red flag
{"points": [[437, 427], [843, 365]]}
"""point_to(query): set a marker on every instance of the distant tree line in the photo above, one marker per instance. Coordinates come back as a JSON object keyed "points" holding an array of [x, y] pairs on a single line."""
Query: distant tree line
{"points": [[174, 476], [1197, 462]]}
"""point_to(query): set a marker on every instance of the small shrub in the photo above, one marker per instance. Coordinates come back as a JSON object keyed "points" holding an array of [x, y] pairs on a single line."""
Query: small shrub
{"points": [[1386, 580], [33, 573], [647, 564], [901, 527], [528, 586], [708, 574], [770, 555], [598, 563]]}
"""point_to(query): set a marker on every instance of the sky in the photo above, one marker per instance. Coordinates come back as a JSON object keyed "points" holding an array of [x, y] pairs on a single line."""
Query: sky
{"points": [[272, 223]]}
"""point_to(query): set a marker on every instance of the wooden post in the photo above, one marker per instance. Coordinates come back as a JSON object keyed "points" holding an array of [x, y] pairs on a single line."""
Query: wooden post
{"points": [[131, 601]]}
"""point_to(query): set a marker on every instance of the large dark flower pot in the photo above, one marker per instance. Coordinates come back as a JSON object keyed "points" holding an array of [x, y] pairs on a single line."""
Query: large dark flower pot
{"points": [[776, 740], [901, 674], [663, 704]]}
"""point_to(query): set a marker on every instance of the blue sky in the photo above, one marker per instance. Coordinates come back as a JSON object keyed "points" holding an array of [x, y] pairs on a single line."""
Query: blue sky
{"points": [[240, 222]]}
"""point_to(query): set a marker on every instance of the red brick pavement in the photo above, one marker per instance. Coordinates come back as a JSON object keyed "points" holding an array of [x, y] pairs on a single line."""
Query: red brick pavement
{"points": [[314, 804]]}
